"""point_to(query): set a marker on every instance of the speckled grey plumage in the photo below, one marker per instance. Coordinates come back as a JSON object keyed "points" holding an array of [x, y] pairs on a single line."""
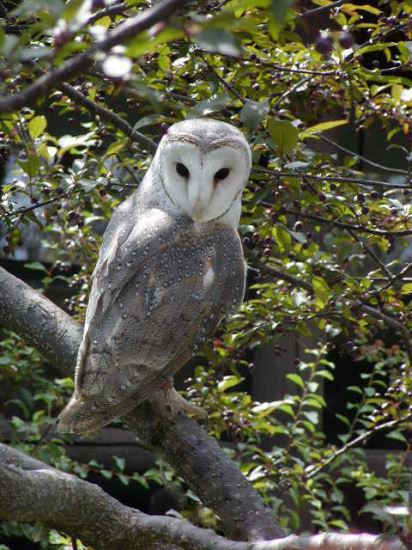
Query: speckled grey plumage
{"points": [[161, 286]]}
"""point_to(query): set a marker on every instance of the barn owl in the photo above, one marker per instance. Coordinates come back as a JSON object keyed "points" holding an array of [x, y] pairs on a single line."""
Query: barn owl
{"points": [[170, 268]]}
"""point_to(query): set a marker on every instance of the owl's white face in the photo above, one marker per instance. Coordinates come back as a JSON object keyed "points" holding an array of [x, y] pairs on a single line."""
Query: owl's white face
{"points": [[204, 176]]}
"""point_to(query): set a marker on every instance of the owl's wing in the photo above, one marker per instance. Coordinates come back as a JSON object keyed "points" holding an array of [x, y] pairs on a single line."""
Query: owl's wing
{"points": [[159, 290]]}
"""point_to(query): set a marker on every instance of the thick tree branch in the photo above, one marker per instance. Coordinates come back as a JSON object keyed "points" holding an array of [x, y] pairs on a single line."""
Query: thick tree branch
{"points": [[182, 442], [33, 491], [34, 318], [82, 61]]}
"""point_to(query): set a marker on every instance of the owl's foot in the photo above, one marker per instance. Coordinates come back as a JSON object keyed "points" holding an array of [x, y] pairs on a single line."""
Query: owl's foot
{"points": [[171, 402]]}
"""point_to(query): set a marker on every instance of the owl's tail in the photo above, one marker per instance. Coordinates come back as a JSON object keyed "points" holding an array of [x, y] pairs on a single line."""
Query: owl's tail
{"points": [[82, 415]]}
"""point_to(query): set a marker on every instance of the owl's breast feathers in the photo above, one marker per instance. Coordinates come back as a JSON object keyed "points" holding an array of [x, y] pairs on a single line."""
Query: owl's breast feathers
{"points": [[160, 288]]}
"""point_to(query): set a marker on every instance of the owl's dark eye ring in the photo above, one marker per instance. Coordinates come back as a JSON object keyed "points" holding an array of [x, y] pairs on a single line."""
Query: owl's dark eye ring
{"points": [[222, 174], [182, 170]]}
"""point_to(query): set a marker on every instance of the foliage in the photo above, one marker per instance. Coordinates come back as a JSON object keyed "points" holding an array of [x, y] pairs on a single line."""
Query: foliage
{"points": [[326, 232]]}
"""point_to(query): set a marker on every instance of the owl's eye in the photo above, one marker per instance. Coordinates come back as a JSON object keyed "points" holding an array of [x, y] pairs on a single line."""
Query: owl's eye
{"points": [[222, 173], [182, 170]]}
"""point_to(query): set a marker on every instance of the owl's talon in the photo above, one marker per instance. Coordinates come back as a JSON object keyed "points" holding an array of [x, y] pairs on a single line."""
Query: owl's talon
{"points": [[170, 402]]}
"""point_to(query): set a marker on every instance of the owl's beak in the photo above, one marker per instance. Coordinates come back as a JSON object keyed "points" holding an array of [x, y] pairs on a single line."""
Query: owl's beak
{"points": [[197, 212]]}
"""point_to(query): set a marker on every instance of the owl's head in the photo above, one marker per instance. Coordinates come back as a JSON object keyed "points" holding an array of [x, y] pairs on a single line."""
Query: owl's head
{"points": [[204, 165]]}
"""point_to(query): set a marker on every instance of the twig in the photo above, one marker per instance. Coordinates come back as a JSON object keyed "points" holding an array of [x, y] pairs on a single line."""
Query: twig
{"points": [[352, 233], [82, 61], [109, 10], [291, 90], [394, 323], [322, 9], [39, 204], [265, 63], [220, 78], [312, 471], [360, 228], [377, 38], [360, 157], [270, 270], [372, 183], [108, 115]]}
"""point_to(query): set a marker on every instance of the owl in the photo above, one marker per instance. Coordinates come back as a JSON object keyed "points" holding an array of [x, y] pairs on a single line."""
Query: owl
{"points": [[171, 266]]}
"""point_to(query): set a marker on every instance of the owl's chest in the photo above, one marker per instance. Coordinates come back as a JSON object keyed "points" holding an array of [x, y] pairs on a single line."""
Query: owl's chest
{"points": [[201, 257], [220, 269]]}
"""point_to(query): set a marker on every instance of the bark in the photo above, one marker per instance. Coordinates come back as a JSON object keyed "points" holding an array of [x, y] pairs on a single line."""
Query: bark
{"points": [[182, 442], [33, 491]]}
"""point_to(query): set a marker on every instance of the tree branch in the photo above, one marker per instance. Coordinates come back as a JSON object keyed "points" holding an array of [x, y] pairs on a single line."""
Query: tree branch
{"points": [[391, 322], [33, 491], [82, 61], [108, 115], [115, 9], [360, 157], [182, 442], [312, 470], [344, 179], [322, 9], [360, 228]]}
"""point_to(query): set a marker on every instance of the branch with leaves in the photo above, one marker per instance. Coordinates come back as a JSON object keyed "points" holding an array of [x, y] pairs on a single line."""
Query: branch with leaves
{"points": [[81, 62]]}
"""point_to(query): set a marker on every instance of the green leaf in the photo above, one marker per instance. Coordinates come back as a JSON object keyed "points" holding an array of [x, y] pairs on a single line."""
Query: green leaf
{"points": [[2, 38], [375, 48], [229, 382], [296, 379], [218, 40], [29, 166], [124, 479], [406, 288], [208, 106], [143, 44], [35, 266], [396, 92], [104, 22], [279, 10], [115, 147], [36, 126], [312, 416], [253, 112], [351, 8], [71, 9], [323, 126], [267, 407], [120, 462], [282, 238], [397, 435], [150, 120], [322, 291], [284, 135]]}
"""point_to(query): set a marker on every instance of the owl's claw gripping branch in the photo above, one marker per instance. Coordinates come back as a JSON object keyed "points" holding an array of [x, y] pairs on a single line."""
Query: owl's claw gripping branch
{"points": [[169, 401]]}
